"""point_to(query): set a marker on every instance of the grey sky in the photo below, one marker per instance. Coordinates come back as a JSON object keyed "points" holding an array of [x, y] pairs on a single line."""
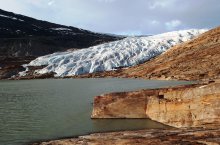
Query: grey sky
{"points": [[122, 16]]}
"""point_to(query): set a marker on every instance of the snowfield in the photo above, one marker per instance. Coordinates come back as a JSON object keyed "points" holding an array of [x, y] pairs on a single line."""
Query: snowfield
{"points": [[123, 53]]}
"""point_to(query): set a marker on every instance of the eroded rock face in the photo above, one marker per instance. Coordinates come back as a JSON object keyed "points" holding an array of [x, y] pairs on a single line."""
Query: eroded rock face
{"points": [[145, 137], [185, 106], [120, 105], [190, 107]]}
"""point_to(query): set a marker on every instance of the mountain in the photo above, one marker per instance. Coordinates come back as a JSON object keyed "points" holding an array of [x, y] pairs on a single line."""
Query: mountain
{"points": [[198, 59], [109, 56], [24, 36]]}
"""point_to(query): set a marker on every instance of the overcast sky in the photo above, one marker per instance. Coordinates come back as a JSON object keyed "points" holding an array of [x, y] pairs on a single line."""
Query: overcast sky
{"points": [[122, 16]]}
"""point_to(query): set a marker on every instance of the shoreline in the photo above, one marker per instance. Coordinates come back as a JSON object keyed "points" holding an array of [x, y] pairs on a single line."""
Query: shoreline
{"points": [[99, 132], [97, 137], [77, 138], [138, 137]]}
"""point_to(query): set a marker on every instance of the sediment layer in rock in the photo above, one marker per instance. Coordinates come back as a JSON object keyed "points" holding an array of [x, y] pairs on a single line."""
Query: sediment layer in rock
{"points": [[184, 106]]}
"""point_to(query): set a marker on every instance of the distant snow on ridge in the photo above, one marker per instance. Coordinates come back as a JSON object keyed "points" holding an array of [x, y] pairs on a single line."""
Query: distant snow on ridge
{"points": [[61, 29], [10, 17], [109, 56]]}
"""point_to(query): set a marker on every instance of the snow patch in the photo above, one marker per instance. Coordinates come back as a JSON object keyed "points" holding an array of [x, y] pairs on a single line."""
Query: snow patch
{"points": [[11, 18], [61, 29]]}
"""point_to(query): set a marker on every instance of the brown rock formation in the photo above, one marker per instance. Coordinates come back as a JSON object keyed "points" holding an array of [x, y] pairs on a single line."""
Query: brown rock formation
{"points": [[185, 106], [145, 137]]}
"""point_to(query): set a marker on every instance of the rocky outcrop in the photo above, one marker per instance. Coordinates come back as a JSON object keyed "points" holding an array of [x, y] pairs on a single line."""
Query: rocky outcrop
{"points": [[145, 137], [121, 105], [11, 66], [184, 106]]}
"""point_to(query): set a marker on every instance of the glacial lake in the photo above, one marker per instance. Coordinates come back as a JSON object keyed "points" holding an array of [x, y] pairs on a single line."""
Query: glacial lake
{"points": [[38, 110]]}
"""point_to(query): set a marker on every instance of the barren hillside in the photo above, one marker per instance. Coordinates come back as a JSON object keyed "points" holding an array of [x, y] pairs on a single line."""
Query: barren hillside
{"points": [[197, 59]]}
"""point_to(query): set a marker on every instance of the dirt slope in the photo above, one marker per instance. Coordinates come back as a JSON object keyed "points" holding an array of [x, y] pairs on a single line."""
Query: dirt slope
{"points": [[194, 60]]}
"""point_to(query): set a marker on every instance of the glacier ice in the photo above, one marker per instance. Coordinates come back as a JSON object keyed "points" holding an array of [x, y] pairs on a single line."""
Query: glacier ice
{"points": [[109, 56]]}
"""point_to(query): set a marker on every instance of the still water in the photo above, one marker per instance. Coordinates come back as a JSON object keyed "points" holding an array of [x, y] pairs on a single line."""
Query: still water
{"points": [[34, 110]]}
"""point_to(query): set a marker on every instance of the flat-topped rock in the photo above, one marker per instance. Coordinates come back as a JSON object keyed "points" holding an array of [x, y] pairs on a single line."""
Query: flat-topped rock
{"points": [[185, 106]]}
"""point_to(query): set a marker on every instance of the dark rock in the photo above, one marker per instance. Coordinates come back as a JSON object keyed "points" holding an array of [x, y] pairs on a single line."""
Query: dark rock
{"points": [[25, 36]]}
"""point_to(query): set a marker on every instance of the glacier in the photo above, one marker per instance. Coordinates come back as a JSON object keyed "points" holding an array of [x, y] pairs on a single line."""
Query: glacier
{"points": [[110, 56]]}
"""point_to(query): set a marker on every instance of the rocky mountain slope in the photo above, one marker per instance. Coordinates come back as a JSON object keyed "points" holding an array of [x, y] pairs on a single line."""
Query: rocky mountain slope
{"points": [[25, 36], [123, 53], [194, 60], [22, 39]]}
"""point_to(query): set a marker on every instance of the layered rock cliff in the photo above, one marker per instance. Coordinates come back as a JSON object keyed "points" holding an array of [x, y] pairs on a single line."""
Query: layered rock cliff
{"points": [[184, 106]]}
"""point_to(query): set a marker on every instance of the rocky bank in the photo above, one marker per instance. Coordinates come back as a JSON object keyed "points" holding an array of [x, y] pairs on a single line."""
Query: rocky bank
{"points": [[183, 106], [196, 136]]}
